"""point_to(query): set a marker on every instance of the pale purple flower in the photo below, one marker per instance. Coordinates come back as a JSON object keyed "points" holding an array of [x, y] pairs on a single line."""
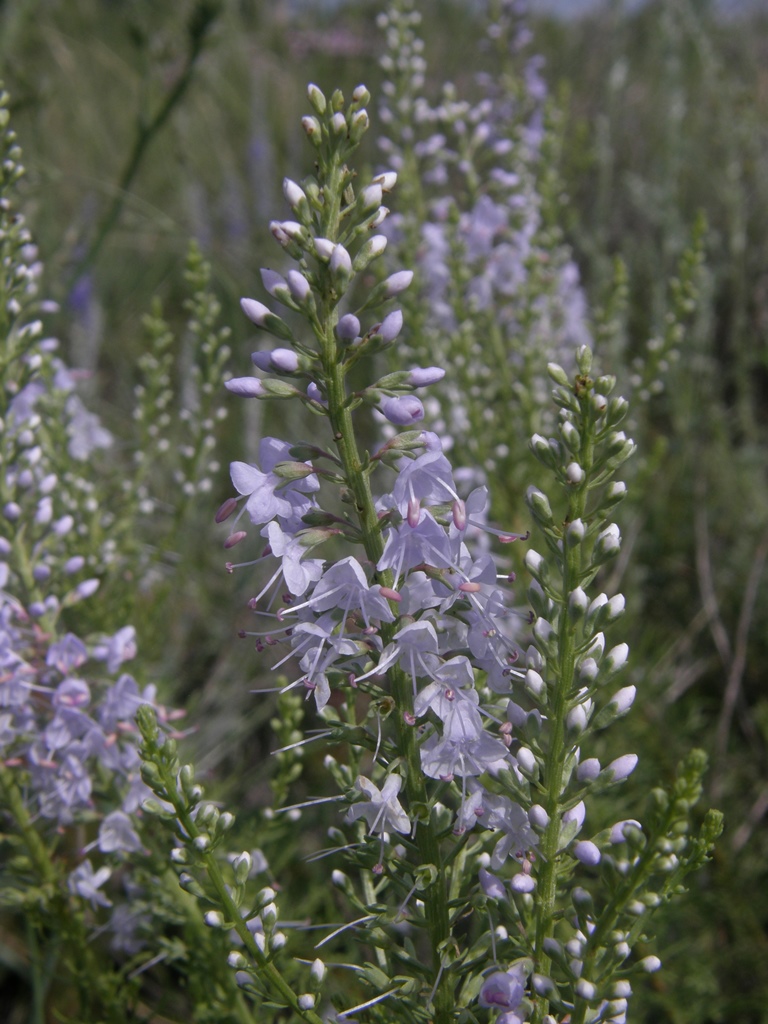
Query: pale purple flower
{"points": [[491, 885], [344, 585], [464, 748], [381, 808], [116, 833], [452, 681], [86, 883], [86, 432], [407, 546], [268, 494], [66, 654], [117, 649], [298, 572], [503, 990]]}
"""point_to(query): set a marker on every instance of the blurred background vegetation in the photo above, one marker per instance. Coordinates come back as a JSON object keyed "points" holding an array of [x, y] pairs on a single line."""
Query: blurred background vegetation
{"points": [[145, 125]]}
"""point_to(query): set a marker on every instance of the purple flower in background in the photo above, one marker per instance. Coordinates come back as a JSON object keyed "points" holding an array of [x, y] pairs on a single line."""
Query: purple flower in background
{"points": [[68, 653], [86, 883], [117, 649], [116, 833]]}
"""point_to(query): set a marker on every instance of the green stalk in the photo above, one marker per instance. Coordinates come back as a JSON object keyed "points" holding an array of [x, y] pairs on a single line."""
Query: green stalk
{"points": [[556, 755], [269, 972], [435, 896]]}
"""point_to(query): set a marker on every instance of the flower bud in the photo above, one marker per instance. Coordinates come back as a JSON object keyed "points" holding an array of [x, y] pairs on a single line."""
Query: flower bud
{"points": [[593, 611], [536, 566], [422, 377], [618, 834], [368, 252], [299, 287], [616, 659], [585, 989], [615, 492], [545, 634], [317, 973], [526, 760], [370, 197], [263, 317], [576, 814], [584, 358], [341, 266], [650, 964], [544, 451], [296, 199], [577, 718], [241, 867], [617, 410], [358, 125], [539, 505], [588, 770], [571, 436], [323, 249], [491, 885], [534, 683], [274, 283], [316, 98], [389, 328], [397, 283], [578, 603], [538, 817], [607, 544], [621, 768], [348, 327], [387, 180], [402, 411], [587, 852], [558, 374], [338, 124], [615, 608], [575, 532]]}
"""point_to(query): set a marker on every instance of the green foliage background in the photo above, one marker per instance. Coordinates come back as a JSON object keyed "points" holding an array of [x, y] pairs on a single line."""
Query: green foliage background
{"points": [[144, 125]]}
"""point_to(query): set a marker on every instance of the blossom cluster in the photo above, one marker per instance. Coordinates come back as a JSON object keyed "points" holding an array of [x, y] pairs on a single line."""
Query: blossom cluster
{"points": [[472, 719], [68, 739], [497, 285]]}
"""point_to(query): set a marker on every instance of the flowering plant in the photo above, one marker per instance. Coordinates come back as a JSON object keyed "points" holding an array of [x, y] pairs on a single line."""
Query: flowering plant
{"points": [[477, 870], [473, 867]]}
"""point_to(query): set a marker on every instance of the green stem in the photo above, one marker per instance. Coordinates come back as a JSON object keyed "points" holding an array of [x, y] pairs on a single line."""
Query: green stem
{"points": [[557, 753], [38, 851], [269, 972], [435, 896]]}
